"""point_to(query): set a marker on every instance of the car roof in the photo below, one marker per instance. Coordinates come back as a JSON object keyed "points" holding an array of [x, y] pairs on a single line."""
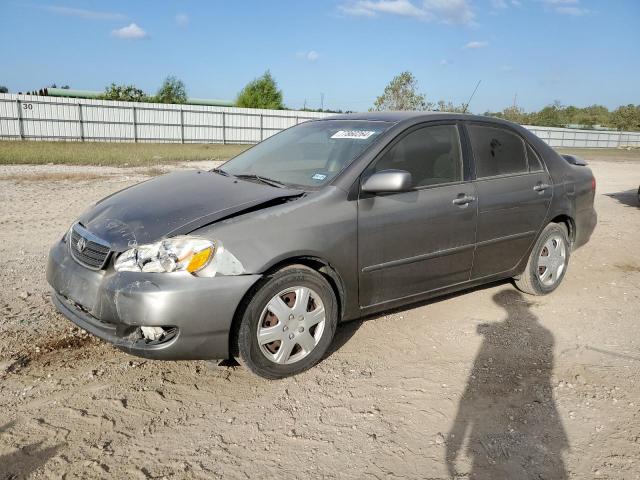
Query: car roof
{"points": [[402, 116]]}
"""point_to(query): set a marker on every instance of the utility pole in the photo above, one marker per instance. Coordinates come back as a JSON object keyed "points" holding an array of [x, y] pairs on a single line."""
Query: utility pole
{"points": [[515, 100], [322, 101]]}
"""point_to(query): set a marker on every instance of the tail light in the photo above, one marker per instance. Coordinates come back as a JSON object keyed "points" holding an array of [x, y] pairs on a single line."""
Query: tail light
{"points": [[593, 184]]}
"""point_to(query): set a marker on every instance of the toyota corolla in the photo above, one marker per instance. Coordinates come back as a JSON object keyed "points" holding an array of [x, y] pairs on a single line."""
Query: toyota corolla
{"points": [[325, 222]]}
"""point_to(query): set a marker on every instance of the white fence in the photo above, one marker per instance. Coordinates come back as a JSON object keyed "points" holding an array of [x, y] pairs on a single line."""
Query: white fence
{"points": [[30, 117], [568, 137]]}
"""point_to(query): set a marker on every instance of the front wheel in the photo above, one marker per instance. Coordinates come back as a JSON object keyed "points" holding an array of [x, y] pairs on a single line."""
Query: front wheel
{"points": [[288, 324], [547, 263]]}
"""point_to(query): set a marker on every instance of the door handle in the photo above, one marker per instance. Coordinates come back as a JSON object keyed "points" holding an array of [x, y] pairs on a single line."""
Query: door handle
{"points": [[463, 199], [541, 187]]}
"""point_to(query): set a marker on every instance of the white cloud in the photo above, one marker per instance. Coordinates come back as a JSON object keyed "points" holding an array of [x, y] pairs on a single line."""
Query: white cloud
{"points": [[476, 45], [575, 11], [502, 4], [356, 10], [445, 11], [86, 14], [567, 7], [370, 8], [311, 55], [444, 62], [182, 19], [130, 32], [451, 11], [506, 68]]}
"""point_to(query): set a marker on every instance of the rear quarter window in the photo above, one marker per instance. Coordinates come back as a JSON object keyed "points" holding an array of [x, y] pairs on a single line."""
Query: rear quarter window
{"points": [[497, 151], [535, 165]]}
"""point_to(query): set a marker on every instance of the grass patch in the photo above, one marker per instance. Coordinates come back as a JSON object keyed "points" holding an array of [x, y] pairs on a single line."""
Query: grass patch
{"points": [[51, 177], [152, 171], [111, 154], [614, 154]]}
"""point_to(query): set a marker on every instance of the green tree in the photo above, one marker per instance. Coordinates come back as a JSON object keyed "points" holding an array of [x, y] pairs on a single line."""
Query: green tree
{"points": [[550, 116], [515, 114], [3, 89], [571, 114], [402, 94], [172, 91], [590, 116], [443, 106], [261, 92], [626, 118], [124, 93]]}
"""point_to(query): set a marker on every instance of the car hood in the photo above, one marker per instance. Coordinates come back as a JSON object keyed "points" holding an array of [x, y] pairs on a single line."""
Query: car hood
{"points": [[174, 204]]}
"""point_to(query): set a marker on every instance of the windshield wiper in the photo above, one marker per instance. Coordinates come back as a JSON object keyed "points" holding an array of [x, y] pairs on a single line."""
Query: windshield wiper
{"points": [[220, 171], [268, 181]]}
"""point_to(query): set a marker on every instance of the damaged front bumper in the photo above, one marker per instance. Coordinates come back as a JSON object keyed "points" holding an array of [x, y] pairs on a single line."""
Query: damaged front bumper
{"points": [[195, 312]]}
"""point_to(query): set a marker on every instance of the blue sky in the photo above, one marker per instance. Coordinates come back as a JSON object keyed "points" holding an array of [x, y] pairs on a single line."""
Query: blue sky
{"points": [[577, 51]]}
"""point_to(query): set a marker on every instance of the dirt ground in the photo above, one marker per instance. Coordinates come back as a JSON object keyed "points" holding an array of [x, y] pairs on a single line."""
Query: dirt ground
{"points": [[482, 384]]}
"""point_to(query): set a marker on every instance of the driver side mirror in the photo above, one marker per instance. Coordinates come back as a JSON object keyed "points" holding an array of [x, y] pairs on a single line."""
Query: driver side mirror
{"points": [[388, 181]]}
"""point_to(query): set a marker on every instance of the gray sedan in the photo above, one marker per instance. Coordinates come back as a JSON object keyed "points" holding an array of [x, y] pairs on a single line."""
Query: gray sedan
{"points": [[322, 223]]}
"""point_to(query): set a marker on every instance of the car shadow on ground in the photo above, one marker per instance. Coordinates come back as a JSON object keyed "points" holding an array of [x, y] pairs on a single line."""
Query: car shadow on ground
{"points": [[507, 416], [628, 197], [25, 460], [347, 329]]}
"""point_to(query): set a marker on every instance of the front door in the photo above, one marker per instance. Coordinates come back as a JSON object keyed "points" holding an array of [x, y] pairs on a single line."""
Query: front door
{"points": [[514, 193], [422, 240]]}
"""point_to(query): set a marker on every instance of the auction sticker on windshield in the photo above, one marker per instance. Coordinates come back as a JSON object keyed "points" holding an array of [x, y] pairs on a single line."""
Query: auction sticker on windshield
{"points": [[354, 134]]}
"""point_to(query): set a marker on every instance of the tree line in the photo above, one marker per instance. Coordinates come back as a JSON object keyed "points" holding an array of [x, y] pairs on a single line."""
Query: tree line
{"points": [[626, 117], [262, 92], [401, 93]]}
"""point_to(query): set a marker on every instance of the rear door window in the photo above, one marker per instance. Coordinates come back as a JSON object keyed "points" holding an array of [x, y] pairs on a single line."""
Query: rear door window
{"points": [[497, 151]]}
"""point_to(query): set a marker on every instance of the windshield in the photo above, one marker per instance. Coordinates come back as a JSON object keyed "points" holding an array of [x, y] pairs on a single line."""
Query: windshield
{"points": [[310, 154]]}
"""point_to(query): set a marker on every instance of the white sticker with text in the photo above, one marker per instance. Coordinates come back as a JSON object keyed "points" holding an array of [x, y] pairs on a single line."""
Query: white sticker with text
{"points": [[354, 134]]}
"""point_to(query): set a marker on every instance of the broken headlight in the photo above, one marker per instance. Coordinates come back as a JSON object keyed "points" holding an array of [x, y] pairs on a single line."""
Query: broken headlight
{"points": [[178, 254]]}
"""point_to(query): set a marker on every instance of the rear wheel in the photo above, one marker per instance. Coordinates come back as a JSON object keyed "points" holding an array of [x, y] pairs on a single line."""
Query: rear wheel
{"points": [[288, 324], [547, 263]]}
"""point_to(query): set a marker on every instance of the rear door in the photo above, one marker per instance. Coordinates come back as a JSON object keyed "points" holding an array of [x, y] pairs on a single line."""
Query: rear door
{"points": [[514, 193], [422, 240]]}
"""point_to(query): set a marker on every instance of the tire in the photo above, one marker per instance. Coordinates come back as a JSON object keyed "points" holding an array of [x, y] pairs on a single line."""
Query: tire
{"points": [[275, 312], [541, 276]]}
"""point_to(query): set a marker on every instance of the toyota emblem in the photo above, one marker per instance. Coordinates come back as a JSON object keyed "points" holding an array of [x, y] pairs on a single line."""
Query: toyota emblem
{"points": [[81, 244]]}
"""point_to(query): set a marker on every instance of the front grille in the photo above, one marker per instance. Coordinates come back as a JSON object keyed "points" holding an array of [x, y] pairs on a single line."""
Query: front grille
{"points": [[87, 249]]}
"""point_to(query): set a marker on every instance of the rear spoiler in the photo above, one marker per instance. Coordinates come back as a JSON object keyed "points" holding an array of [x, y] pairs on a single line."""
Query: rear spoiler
{"points": [[573, 160]]}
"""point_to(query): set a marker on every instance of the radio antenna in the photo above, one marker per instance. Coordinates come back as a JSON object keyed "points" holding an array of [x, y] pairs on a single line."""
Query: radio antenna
{"points": [[466, 105]]}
